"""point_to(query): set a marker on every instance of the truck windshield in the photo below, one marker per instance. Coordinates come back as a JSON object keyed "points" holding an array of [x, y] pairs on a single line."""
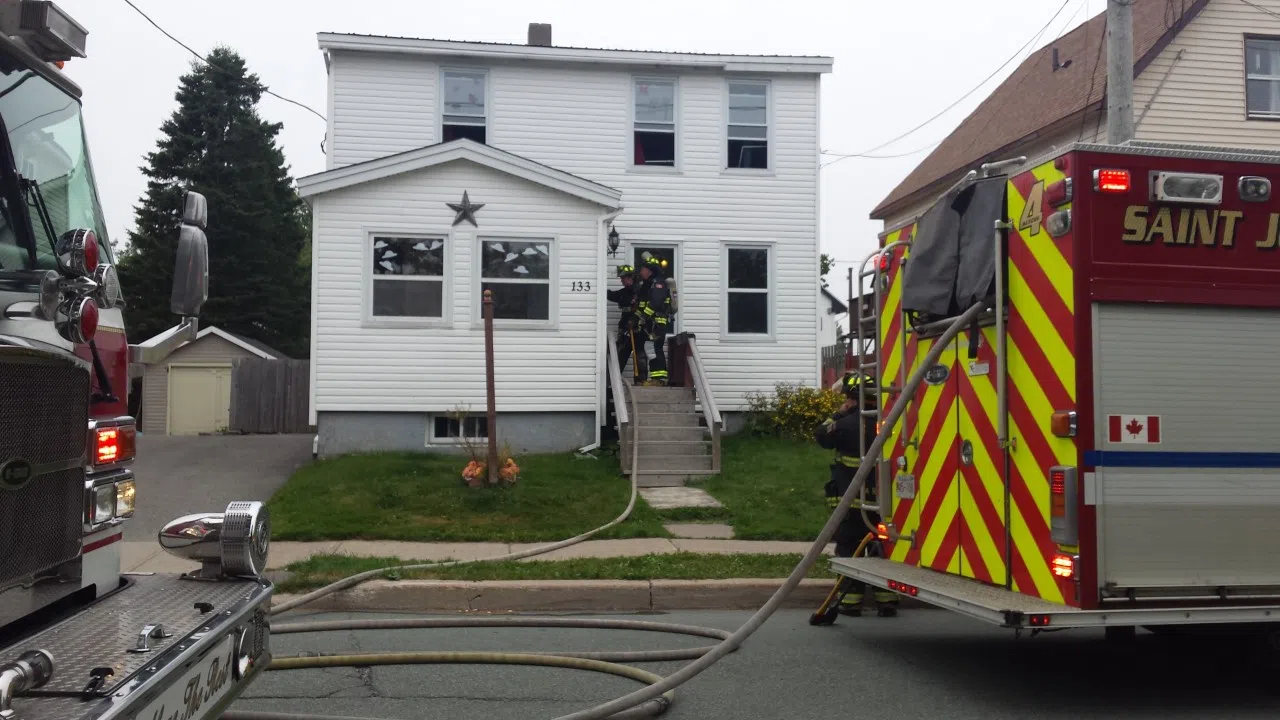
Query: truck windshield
{"points": [[51, 180]]}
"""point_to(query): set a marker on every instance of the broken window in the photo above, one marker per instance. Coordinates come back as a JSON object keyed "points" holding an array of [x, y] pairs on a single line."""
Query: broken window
{"points": [[655, 122], [748, 125], [519, 274], [408, 277], [464, 106]]}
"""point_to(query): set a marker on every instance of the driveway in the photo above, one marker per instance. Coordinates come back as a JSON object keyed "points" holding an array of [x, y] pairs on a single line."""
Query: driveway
{"points": [[180, 475]]}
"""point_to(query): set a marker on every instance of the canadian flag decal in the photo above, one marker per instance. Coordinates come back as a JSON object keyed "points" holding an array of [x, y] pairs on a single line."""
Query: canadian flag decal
{"points": [[1143, 429]]}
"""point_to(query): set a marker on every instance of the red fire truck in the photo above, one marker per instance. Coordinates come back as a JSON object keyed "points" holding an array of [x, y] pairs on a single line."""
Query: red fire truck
{"points": [[77, 638], [1098, 447]]}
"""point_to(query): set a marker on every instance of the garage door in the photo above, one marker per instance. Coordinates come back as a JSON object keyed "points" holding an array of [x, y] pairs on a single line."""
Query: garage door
{"points": [[199, 399]]}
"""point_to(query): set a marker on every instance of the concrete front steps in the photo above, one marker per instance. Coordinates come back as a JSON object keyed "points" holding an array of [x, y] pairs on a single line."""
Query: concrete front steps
{"points": [[675, 444]]}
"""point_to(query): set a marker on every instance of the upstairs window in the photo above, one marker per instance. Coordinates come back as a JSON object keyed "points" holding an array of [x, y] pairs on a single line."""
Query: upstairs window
{"points": [[1262, 73], [408, 277], [464, 106], [655, 122], [748, 125], [747, 288]]}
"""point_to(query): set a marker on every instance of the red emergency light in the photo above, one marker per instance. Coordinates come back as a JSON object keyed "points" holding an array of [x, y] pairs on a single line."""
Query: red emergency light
{"points": [[1111, 181], [882, 531], [114, 444], [1057, 492], [884, 262], [1064, 566]]}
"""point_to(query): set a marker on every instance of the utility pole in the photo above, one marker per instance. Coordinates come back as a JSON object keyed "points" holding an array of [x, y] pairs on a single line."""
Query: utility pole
{"points": [[1119, 71]]}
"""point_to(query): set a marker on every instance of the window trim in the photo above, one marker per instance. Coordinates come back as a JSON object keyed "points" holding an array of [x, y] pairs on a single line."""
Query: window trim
{"points": [[769, 129], [367, 318], [1245, 76], [488, 99], [477, 282], [678, 166], [771, 291], [433, 439]]}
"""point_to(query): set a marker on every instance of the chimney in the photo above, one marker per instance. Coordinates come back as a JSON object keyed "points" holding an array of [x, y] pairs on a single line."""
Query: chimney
{"points": [[540, 34]]}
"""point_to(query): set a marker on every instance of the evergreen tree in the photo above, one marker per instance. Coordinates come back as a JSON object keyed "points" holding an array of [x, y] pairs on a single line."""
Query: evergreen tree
{"points": [[216, 144]]}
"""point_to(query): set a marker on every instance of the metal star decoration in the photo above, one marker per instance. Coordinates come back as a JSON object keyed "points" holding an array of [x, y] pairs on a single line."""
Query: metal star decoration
{"points": [[466, 210]]}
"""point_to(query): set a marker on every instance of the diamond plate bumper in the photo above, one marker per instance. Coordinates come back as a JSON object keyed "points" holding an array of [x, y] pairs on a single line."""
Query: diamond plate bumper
{"points": [[1015, 610], [196, 615]]}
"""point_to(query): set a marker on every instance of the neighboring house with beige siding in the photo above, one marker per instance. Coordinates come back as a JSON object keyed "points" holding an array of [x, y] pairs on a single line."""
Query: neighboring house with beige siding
{"points": [[1206, 72], [190, 392]]}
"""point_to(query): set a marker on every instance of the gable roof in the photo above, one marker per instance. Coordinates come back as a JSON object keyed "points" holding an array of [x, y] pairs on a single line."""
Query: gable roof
{"points": [[462, 149], [1036, 96], [252, 346], [837, 305], [514, 51]]}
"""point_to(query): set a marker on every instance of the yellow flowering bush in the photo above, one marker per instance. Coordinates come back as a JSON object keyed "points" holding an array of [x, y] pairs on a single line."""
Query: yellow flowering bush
{"points": [[791, 411]]}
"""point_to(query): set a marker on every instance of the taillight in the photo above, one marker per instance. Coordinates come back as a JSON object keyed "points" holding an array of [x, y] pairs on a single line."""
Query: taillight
{"points": [[1063, 505], [882, 531], [1111, 181], [115, 444], [905, 589], [1064, 566]]}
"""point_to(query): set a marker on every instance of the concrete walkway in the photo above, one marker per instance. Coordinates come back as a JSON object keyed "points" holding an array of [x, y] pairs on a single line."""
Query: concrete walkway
{"points": [[148, 557]]}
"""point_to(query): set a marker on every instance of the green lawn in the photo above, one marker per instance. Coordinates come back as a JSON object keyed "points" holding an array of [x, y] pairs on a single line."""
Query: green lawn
{"points": [[771, 489], [323, 569], [421, 497]]}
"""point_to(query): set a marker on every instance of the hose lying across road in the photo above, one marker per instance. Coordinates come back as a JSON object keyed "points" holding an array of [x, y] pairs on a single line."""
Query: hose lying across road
{"points": [[651, 700]]}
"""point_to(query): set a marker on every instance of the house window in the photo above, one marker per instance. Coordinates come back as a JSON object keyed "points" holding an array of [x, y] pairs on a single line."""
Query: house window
{"points": [[748, 290], [464, 105], [1262, 66], [519, 274], [470, 427], [655, 122], [748, 125], [408, 277]]}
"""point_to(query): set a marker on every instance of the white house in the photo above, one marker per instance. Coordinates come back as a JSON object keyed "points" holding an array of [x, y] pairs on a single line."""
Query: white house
{"points": [[831, 323], [455, 167]]}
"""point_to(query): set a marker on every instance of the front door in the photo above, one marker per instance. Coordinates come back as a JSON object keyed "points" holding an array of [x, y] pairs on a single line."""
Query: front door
{"points": [[665, 252]]}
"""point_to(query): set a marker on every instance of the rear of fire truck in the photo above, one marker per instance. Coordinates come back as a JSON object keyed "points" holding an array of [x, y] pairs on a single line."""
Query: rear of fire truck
{"points": [[77, 638], [1098, 448]]}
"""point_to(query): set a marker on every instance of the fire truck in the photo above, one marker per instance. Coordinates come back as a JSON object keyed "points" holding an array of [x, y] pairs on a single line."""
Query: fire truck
{"points": [[1097, 447], [78, 638]]}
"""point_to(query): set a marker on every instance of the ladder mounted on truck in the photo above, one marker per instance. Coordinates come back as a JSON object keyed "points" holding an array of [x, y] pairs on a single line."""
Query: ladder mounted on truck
{"points": [[867, 332]]}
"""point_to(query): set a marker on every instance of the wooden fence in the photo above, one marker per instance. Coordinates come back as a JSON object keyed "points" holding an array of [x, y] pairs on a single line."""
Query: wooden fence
{"points": [[270, 396]]}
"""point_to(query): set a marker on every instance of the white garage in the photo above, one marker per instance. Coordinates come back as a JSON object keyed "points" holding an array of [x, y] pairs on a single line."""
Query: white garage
{"points": [[190, 392]]}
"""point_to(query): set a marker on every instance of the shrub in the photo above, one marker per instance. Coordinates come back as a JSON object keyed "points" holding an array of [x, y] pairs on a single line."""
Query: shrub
{"points": [[792, 411]]}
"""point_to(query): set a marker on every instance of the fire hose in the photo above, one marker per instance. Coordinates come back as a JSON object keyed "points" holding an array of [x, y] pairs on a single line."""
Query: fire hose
{"points": [[651, 700]]}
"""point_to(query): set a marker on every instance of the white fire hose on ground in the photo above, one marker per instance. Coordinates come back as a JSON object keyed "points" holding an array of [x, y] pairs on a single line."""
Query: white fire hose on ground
{"points": [[649, 701]]}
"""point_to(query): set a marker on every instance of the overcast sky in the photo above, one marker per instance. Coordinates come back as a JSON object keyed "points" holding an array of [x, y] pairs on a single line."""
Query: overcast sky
{"points": [[896, 65]]}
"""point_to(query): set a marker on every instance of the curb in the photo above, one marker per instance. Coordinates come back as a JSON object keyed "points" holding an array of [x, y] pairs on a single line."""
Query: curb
{"points": [[451, 596]]}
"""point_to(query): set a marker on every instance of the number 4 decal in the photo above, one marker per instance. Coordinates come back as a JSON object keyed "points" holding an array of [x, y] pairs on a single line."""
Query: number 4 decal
{"points": [[1033, 214]]}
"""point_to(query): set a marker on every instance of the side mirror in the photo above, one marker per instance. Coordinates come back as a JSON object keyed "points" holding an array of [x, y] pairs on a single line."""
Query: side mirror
{"points": [[191, 267]]}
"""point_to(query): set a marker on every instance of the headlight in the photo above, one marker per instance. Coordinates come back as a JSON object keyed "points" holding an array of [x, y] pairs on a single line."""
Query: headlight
{"points": [[104, 504], [125, 491], [234, 542]]}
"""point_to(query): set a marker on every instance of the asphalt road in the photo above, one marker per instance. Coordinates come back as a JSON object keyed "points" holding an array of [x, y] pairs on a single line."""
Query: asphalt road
{"points": [[179, 475], [923, 664]]}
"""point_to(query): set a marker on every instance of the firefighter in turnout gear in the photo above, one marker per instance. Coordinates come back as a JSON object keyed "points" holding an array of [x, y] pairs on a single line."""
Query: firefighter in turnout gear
{"points": [[841, 433], [625, 297], [653, 308]]}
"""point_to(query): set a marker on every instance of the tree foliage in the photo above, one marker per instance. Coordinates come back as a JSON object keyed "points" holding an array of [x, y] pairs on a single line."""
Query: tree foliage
{"points": [[215, 143], [826, 263]]}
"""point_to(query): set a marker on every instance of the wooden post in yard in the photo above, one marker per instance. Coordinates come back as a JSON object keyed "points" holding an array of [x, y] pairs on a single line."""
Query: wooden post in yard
{"points": [[488, 379]]}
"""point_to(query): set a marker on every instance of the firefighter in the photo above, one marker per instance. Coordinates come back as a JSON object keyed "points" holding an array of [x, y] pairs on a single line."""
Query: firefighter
{"points": [[653, 307], [625, 297], [841, 433]]}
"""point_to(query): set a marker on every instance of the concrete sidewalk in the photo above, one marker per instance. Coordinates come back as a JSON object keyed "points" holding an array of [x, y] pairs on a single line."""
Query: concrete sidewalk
{"points": [[149, 557]]}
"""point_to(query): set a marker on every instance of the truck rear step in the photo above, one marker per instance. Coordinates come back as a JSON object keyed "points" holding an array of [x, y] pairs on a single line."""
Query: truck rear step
{"points": [[1015, 610]]}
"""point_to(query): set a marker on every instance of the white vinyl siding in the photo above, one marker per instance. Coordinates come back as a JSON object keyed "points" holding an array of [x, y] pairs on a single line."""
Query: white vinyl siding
{"points": [[580, 119], [375, 367]]}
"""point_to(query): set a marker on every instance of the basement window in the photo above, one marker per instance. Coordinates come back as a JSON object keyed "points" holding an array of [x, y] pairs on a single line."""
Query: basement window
{"points": [[464, 106], [654, 127], [450, 428], [748, 126]]}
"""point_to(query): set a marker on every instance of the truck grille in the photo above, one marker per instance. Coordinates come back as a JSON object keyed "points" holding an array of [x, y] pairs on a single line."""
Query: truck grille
{"points": [[44, 420]]}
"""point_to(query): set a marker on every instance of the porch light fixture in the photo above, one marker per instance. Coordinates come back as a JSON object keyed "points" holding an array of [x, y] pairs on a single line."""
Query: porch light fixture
{"points": [[614, 241]]}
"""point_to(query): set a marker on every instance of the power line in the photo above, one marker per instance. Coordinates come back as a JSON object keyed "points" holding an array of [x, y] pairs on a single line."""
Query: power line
{"points": [[845, 156], [1255, 6], [973, 90], [202, 59]]}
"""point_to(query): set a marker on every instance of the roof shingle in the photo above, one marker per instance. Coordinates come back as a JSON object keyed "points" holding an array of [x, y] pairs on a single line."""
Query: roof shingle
{"points": [[1036, 96]]}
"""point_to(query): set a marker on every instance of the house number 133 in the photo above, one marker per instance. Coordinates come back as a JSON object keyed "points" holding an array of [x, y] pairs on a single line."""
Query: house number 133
{"points": [[580, 286]]}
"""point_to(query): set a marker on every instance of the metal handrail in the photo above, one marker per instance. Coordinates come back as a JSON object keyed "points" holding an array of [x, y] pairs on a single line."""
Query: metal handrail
{"points": [[616, 387], [703, 386]]}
